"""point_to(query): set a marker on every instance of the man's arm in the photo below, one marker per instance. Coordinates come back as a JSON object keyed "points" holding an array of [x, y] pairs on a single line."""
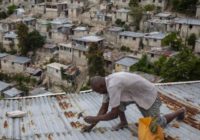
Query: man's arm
{"points": [[103, 110]]}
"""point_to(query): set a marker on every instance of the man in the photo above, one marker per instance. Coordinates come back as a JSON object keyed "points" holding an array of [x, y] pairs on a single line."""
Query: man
{"points": [[121, 89]]}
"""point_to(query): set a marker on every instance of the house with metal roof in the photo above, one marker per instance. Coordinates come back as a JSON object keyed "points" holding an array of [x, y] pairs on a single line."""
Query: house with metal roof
{"points": [[81, 31], [4, 86], [130, 39], [11, 93], [153, 39], [125, 63], [39, 91], [122, 14], [10, 41], [15, 64], [54, 116], [2, 55], [112, 33], [187, 26], [197, 46]]}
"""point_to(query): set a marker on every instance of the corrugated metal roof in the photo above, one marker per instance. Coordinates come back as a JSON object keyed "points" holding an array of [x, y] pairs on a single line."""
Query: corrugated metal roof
{"points": [[3, 85], [155, 35], [13, 92], [115, 29], [131, 34], [187, 21], [127, 61], [89, 38], [48, 118], [10, 35], [3, 55], [123, 10], [188, 92], [17, 59]]}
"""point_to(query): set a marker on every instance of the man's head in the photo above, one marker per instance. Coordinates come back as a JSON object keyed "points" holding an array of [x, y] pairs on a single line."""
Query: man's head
{"points": [[98, 84]]}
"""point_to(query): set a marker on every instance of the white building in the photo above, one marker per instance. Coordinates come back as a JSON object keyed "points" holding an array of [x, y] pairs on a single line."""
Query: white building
{"points": [[14, 64], [2, 55], [10, 41], [197, 46], [153, 39], [81, 31], [129, 39], [187, 26], [123, 15], [198, 11], [112, 34], [54, 71]]}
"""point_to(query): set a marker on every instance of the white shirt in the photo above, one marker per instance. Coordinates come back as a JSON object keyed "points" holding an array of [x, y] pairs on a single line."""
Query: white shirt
{"points": [[126, 87]]}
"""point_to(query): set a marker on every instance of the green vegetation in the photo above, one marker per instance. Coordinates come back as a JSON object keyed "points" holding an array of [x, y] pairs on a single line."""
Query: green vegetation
{"points": [[95, 61], [184, 66], [133, 3], [11, 9], [192, 40], [23, 82], [173, 40], [29, 41], [149, 7], [136, 14], [119, 22], [125, 49], [184, 6]]}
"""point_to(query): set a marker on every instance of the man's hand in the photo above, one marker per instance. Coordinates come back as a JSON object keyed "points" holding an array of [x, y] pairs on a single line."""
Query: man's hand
{"points": [[87, 128], [91, 119]]}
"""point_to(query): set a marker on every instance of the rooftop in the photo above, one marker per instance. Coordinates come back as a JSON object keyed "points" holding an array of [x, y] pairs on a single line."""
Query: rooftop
{"points": [[80, 28], [155, 35], [131, 34], [10, 35], [38, 91], [61, 21], [115, 29], [13, 92], [123, 10], [89, 38], [164, 15], [127, 61], [3, 55], [17, 59], [187, 21], [3, 85], [54, 117], [57, 66]]}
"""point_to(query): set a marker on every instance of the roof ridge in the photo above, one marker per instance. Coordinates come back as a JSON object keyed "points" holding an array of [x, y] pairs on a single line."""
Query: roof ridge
{"points": [[177, 83]]}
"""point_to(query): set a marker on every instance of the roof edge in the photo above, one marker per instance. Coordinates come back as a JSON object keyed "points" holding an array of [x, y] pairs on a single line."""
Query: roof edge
{"points": [[177, 83]]}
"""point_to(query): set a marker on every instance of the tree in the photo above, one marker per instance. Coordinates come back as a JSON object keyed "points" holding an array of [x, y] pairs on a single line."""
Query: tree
{"points": [[11, 9], [158, 65], [37, 41], [143, 65], [173, 40], [133, 3], [95, 61], [22, 32], [192, 40], [182, 67], [149, 7], [136, 14]]}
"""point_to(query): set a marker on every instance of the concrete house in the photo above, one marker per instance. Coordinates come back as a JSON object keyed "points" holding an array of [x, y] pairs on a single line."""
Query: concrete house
{"points": [[3, 86], [197, 46], [187, 26], [65, 52], [54, 71], [81, 31], [153, 39], [10, 41], [198, 11], [129, 39], [11, 93], [43, 26], [2, 55], [112, 33], [14, 64], [74, 11], [51, 9], [122, 14], [121, 3], [158, 3], [30, 22], [57, 22], [62, 33], [125, 63]]}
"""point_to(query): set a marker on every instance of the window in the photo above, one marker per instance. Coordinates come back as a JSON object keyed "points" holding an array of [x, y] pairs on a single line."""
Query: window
{"points": [[154, 1], [155, 40], [120, 36], [125, 37], [56, 71], [12, 63], [134, 38], [190, 26], [152, 55], [160, 1]]}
